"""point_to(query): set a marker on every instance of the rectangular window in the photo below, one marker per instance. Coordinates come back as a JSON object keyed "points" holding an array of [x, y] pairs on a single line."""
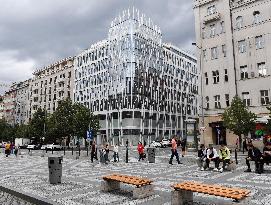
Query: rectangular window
{"points": [[264, 97], [217, 101], [216, 76], [222, 27], [212, 30], [207, 102], [259, 42], [211, 10], [214, 53], [261, 69], [239, 22], [206, 78], [243, 72], [257, 17], [246, 98], [224, 51], [203, 33], [227, 98], [242, 46], [226, 77], [204, 54]]}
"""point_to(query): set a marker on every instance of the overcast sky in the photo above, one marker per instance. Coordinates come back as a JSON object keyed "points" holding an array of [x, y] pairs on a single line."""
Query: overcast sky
{"points": [[35, 33]]}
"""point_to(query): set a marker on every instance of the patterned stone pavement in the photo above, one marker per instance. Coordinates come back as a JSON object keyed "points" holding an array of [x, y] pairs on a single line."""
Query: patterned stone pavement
{"points": [[81, 179]]}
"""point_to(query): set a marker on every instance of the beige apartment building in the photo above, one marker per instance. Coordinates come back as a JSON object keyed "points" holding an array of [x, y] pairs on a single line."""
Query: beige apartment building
{"points": [[50, 85], [21, 102], [234, 51]]}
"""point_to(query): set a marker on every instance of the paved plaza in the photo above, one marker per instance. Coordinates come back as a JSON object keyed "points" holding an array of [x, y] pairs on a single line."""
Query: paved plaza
{"points": [[81, 179]]}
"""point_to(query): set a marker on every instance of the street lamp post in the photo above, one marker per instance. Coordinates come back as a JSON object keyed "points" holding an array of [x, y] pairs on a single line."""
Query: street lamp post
{"points": [[201, 88]]}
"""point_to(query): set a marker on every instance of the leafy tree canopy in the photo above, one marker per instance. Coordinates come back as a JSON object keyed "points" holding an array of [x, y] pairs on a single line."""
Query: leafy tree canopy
{"points": [[238, 119]]}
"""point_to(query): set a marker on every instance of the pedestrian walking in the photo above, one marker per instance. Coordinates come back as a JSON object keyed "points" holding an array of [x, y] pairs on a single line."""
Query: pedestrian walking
{"points": [[93, 152], [106, 154], [140, 149], [7, 149], [174, 151], [16, 151], [116, 153]]}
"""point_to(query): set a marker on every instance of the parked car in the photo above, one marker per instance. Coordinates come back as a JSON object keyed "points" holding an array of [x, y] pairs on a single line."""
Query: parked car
{"points": [[156, 144], [165, 143], [54, 146], [33, 146], [23, 146], [43, 147]]}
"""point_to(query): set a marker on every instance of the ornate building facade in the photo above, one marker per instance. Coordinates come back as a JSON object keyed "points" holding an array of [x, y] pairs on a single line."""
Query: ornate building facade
{"points": [[50, 85], [141, 88], [234, 41]]}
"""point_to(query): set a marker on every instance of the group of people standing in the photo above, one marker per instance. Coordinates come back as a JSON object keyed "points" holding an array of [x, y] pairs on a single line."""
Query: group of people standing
{"points": [[10, 148], [104, 152]]}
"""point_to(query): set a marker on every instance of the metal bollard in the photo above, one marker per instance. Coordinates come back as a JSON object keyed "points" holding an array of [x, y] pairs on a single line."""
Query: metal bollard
{"points": [[79, 151], [236, 156], [72, 150], [46, 149], [126, 155], [52, 150], [87, 151]]}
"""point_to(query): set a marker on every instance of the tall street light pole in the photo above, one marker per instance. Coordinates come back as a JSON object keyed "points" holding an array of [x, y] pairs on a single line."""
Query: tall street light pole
{"points": [[201, 88]]}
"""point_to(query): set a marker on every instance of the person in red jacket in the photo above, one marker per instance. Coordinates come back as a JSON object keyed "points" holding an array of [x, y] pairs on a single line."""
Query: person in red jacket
{"points": [[140, 149]]}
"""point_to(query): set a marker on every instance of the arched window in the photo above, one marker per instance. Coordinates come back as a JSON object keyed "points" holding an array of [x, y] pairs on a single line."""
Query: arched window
{"points": [[257, 17], [239, 22]]}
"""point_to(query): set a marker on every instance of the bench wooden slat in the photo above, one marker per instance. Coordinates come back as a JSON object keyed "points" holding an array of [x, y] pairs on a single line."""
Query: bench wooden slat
{"points": [[128, 179], [216, 190]]}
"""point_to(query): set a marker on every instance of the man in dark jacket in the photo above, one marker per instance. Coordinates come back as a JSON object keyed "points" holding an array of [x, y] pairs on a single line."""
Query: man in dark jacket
{"points": [[254, 154], [202, 152]]}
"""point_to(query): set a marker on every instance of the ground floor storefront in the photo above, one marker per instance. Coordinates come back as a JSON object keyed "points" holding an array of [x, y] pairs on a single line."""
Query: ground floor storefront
{"points": [[215, 133]]}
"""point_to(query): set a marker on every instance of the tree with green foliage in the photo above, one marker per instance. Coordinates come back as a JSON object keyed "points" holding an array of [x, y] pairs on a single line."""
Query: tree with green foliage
{"points": [[60, 123], [84, 120], [37, 125], [22, 131], [70, 120], [238, 118], [6, 131]]}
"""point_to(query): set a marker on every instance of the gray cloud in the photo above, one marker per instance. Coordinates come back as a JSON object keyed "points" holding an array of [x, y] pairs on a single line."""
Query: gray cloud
{"points": [[36, 33]]}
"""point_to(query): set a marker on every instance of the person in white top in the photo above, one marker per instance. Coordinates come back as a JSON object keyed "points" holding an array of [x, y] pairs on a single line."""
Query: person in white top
{"points": [[116, 153], [212, 155]]}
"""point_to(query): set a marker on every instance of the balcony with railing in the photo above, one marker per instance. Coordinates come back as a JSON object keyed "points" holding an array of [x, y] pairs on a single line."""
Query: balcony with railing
{"points": [[211, 17]]}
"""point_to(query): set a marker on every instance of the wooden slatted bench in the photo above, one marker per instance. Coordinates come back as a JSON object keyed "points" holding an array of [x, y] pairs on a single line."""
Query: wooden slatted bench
{"points": [[183, 192], [143, 188]]}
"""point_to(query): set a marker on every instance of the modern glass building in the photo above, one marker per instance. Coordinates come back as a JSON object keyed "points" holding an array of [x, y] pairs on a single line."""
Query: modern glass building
{"points": [[141, 88]]}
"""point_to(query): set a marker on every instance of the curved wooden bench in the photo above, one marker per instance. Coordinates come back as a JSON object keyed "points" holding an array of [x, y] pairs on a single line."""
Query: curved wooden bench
{"points": [[184, 192], [143, 186]]}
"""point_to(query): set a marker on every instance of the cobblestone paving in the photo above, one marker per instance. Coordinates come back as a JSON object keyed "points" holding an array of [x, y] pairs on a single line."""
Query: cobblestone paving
{"points": [[8, 199], [81, 179]]}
